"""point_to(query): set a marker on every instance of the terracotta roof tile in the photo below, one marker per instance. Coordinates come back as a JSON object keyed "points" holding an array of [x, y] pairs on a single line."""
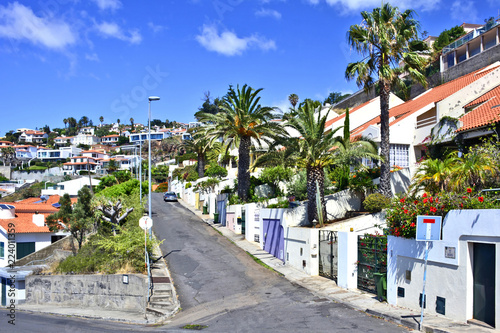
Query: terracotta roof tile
{"points": [[23, 224], [433, 95], [484, 114]]}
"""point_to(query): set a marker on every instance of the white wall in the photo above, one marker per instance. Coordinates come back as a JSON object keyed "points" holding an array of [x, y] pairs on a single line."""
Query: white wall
{"points": [[71, 186], [446, 277], [369, 223], [339, 203], [302, 249]]}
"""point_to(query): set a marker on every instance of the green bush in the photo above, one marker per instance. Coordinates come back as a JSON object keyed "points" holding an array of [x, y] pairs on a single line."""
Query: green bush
{"points": [[280, 204], [163, 187], [375, 202], [215, 170]]}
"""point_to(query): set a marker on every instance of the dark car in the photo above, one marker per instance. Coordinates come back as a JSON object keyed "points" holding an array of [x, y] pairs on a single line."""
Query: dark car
{"points": [[169, 196]]}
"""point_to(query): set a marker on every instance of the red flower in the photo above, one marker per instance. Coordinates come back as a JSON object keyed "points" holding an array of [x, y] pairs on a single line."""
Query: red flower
{"points": [[431, 200], [425, 200], [424, 195], [469, 190], [415, 202], [406, 210], [481, 199], [437, 200], [464, 197], [412, 224], [433, 209], [461, 205], [354, 176], [402, 200]]}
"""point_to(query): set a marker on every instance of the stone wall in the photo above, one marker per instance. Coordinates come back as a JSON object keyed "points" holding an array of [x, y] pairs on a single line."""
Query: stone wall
{"points": [[95, 291], [56, 251], [53, 175], [5, 171], [474, 63]]}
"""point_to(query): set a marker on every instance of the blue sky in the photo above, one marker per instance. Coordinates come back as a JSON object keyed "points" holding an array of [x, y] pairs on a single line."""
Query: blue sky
{"points": [[74, 58]]}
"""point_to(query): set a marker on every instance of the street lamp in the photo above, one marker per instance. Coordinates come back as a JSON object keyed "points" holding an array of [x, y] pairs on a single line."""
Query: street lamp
{"points": [[151, 98]]}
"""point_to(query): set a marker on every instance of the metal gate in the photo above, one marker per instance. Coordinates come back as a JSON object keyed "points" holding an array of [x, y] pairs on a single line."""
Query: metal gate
{"points": [[372, 258], [328, 258]]}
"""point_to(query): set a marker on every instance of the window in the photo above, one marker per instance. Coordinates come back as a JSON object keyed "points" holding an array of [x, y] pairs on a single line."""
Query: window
{"points": [[2, 250], [399, 155], [23, 249]]}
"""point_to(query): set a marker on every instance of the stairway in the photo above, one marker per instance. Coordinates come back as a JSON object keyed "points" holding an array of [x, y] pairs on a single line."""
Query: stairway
{"points": [[163, 302]]}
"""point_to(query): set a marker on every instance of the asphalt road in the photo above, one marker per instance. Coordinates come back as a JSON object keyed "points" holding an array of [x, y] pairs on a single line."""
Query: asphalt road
{"points": [[223, 288], [220, 287]]}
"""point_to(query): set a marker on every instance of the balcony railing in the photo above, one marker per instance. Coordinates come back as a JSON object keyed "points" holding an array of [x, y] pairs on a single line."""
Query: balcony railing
{"points": [[471, 35]]}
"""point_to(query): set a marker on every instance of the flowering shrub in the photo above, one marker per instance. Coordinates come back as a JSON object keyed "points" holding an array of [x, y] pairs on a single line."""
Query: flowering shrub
{"points": [[403, 211]]}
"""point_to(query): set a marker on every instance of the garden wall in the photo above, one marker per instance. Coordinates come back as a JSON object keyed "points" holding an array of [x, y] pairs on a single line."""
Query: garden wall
{"points": [[450, 265], [301, 248], [52, 175], [361, 224], [338, 204]]}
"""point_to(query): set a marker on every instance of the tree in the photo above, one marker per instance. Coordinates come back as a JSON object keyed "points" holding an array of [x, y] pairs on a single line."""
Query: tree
{"points": [[112, 165], [275, 175], [65, 121], [448, 36], [46, 129], [311, 150], [101, 119], [83, 122], [387, 39], [8, 155], [71, 122], [208, 105], [200, 145], [77, 220], [293, 99], [132, 124], [242, 122], [216, 171], [111, 213], [335, 97]]}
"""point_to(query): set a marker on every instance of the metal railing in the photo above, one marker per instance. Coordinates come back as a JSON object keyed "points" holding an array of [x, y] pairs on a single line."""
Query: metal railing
{"points": [[150, 280], [471, 35]]}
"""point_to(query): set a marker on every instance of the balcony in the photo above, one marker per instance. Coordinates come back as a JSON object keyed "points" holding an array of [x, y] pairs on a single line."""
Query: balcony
{"points": [[471, 35]]}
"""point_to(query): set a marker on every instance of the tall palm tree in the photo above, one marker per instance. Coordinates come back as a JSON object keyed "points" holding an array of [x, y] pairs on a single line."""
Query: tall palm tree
{"points": [[241, 122], [65, 121], [119, 130], [101, 119], [132, 124], [389, 41], [312, 151], [293, 99], [200, 145]]}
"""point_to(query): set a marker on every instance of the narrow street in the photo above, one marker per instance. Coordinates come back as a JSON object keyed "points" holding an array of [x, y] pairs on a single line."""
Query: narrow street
{"points": [[223, 288]]}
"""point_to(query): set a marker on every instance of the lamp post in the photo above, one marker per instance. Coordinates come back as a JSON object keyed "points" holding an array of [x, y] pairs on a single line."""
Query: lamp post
{"points": [[151, 98]]}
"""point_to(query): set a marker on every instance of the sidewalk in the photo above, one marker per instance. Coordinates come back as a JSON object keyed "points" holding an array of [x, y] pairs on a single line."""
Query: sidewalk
{"points": [[355, 299]]}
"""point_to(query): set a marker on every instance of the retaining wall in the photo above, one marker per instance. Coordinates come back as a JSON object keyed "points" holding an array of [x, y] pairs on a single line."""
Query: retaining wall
{"points": [[95, 291]]}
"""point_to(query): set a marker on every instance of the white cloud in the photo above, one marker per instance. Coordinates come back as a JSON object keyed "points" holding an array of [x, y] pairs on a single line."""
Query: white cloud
{"points": [[228, 43], [268, 12], [155, 28], [108, 4], [111, 29], [18, 22], [465, 10], [357, 5], [92, 57]]}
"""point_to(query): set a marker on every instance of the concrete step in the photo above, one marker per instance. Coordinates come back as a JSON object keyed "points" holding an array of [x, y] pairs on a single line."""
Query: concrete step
{"points": [[162, 306], [162, 288], [161, 298], [155, 312]]}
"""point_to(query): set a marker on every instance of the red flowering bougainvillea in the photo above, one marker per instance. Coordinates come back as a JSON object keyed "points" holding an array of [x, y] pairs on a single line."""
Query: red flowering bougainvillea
{"points": [[402, 214]]}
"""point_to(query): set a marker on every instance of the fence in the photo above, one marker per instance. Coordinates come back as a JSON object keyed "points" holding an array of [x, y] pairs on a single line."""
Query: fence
{"points": [[372, 258]]}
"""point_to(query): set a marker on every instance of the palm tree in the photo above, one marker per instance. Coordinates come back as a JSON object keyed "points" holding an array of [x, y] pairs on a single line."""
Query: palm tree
{"points": [[434, 175], [132, 124], [65, 121], [293, 99], [473, 169], [200, 145], [312, 151], [388, 39], [241, 122], [101, 119], [119, 131]]}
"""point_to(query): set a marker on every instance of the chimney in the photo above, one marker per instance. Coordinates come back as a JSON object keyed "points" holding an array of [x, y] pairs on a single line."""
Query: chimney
{"points": [[39, 219]]}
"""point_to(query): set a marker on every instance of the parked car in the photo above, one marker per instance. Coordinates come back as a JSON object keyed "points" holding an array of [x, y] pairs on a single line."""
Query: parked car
{"points": [[169, 196]]}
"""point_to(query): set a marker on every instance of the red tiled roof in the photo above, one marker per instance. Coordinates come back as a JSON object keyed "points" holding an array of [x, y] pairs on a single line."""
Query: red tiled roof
{"points": [[433, 95], [8, 143], [30, 205], [23, 224], [342, 116], [80, 163], [111, 136], [484, 114]]}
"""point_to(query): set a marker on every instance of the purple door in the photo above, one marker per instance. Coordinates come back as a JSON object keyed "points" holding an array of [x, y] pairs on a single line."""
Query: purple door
{"points": [[274, 238]]}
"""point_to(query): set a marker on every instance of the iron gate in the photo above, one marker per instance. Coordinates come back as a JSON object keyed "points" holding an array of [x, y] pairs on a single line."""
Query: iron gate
{"points": [[328, 258], [372, 258]]}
